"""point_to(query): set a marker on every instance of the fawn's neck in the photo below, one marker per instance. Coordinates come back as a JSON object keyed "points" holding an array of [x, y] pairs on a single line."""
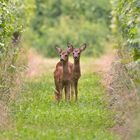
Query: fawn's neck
{"points": [[77, 66], [65, 67]]}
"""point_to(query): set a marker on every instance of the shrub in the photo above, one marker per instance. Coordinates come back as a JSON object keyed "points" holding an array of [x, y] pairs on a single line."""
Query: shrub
{"points": [[126, 20], [12, 23]]}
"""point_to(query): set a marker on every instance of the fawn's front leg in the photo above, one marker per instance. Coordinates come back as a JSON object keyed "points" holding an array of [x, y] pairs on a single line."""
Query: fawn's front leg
{"points": [[72, 91], [67, 92], [76, 89]]}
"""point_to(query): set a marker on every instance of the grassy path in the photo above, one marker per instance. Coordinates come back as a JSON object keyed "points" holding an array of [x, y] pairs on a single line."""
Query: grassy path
{"points": [[37, 117]]}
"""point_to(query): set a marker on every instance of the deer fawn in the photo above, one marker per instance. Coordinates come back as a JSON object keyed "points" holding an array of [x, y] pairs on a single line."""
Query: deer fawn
{"points": [[63, 73], [76, 70]]}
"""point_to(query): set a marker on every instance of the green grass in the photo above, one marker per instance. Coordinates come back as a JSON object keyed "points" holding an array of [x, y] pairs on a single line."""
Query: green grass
{"points": [[37, 117]]}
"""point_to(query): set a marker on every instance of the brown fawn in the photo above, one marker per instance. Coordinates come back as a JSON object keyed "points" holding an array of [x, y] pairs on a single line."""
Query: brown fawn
{"points": [[76, 73], [63, 74]]}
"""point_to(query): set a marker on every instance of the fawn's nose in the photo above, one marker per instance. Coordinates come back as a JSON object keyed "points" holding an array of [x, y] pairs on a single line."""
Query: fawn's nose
{"points": [[61, 59], [75, 57]]}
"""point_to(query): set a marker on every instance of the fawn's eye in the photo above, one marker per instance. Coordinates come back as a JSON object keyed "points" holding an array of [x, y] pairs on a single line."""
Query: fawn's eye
{"points": [[66, 55], [78, 53]]}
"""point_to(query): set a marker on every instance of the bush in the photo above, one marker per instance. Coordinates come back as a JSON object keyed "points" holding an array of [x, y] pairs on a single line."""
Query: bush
{"points": [[126, 20], [12, 23]]}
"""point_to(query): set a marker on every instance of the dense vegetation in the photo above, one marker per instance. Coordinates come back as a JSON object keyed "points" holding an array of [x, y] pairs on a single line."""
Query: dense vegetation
{"points": [[76, 21], [126, 22], [126, 14], [13, 20]]}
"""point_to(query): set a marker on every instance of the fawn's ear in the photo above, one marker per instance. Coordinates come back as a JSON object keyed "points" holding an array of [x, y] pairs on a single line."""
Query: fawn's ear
{"points": [[58, 49], [70, 48], [83, 47]]}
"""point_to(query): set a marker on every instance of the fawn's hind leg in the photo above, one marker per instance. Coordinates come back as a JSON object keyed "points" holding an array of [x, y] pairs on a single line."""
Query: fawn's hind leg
{"points": [[58, 91]]}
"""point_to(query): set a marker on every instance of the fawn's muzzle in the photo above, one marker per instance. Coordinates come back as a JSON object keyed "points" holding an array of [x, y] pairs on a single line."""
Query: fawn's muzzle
{"points": [[76, 57], [61, 59]]}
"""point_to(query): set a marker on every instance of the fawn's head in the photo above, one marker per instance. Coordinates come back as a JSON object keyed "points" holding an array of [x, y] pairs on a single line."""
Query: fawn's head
{"points": [[77, 51], [64, 55]]}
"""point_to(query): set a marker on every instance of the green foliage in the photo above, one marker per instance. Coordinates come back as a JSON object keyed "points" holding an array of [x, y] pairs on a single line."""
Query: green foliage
{"points": [[75, 21], [126, 17], [37, 117], [13, 20], [126, 23]]}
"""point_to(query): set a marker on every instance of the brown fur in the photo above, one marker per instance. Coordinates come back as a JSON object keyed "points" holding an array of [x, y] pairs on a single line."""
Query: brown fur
{"points": [[62, 75], [76, 73]]}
